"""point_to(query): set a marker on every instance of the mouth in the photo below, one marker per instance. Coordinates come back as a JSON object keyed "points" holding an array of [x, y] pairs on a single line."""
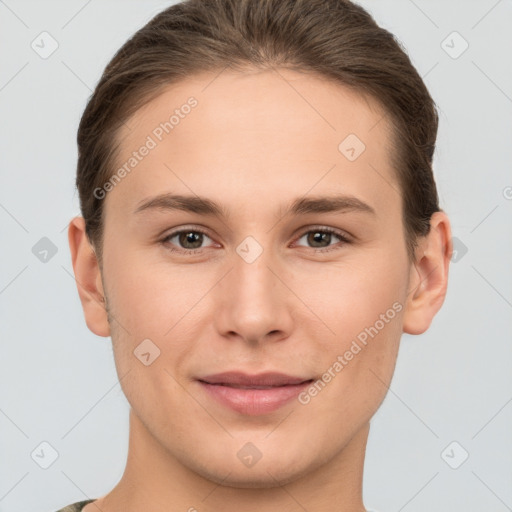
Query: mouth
{"points": [[253, 394], [255, 387], [261, 380]]}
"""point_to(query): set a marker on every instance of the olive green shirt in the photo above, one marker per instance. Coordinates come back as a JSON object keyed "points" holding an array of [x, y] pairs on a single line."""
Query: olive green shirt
{"points": [[75, 507], [79, 505]]}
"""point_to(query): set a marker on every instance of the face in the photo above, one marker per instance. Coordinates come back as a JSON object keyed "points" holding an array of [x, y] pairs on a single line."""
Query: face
{"points": [[285, 254]]}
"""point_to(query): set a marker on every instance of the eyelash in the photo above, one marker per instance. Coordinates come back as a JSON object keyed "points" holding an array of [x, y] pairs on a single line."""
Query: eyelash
{"points": [[315, 229]]}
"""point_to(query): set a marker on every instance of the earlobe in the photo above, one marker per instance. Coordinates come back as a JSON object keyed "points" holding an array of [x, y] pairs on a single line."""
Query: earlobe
{"points": [[88, 278], [429, 276]]}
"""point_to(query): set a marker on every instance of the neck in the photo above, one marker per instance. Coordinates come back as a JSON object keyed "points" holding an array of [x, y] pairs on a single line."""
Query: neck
{"points": [[155, 480]]}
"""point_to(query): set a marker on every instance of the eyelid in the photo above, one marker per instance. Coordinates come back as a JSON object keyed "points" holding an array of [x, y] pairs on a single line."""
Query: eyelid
{"points": [[194, 229], [191, 227], [319, 227], [345, 237]]}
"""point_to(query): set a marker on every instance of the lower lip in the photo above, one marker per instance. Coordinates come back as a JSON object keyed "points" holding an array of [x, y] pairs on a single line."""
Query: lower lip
{"points": [[253, 402]]}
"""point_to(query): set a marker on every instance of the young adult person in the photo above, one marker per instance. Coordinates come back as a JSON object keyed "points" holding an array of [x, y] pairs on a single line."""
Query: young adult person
{"points": [[260, 224]]}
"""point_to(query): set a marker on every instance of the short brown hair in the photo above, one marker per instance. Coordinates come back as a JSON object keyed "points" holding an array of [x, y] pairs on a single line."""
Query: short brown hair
{"points": [[336, 39]]}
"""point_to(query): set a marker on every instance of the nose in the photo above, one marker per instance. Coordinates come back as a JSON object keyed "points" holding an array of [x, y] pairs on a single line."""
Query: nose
{"points": [[253, 302]]}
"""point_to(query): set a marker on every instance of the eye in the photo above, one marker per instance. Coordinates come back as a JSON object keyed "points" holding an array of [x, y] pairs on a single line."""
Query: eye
{"points": [[188, 240], [320, 238]]}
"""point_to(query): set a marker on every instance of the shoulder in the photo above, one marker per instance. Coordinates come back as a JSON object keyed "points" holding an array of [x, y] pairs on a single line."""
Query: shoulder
{"points": [[75, 507]]}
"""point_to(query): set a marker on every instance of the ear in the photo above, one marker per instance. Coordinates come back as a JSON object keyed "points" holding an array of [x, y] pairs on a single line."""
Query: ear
{"points": [[88, 278], [428, 280]]}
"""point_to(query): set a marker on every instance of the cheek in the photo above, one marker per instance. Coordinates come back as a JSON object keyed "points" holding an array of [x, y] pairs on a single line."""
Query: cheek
{"points": [[357, 368], [353, 294], [148, 341], [158, 302], [150, 296], [362, 306]]}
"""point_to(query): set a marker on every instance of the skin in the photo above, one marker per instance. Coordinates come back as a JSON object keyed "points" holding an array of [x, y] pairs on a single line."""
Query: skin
{"points": [[255, 142]]}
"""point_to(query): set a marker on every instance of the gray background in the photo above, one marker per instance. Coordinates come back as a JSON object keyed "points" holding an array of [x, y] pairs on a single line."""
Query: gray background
{"points": [[57, 379]]}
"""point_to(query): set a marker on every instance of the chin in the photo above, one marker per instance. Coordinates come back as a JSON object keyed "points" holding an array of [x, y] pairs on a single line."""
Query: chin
{"points": [[249, 480], [263, 475]]}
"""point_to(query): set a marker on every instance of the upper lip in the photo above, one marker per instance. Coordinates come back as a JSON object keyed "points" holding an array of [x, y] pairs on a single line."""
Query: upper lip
{"points": [[236, 378]]}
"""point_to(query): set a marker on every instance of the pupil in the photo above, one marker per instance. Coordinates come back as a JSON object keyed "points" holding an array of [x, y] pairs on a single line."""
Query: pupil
{"points": [[193, 238], [317, 237]]}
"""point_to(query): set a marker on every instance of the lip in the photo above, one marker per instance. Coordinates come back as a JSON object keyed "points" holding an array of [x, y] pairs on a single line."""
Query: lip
{"points": [[253, 394]]}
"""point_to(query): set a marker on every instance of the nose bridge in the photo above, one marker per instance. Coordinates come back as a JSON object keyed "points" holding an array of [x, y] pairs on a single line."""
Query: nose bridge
{"points": [[252, 281], [252, 301]]}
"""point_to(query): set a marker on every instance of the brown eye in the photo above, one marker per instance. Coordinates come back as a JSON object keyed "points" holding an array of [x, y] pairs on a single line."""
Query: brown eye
{"points": [[319, 238], [323, 238], [186, 240], [190, 237]]}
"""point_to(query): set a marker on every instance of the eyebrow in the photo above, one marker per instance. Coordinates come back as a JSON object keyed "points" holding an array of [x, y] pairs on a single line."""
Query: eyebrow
{"points": [[302, 206]]}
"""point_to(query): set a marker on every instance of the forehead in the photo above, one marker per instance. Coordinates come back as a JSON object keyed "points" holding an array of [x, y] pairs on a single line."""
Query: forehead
{"points": [[245, 131], [262, 100]]}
